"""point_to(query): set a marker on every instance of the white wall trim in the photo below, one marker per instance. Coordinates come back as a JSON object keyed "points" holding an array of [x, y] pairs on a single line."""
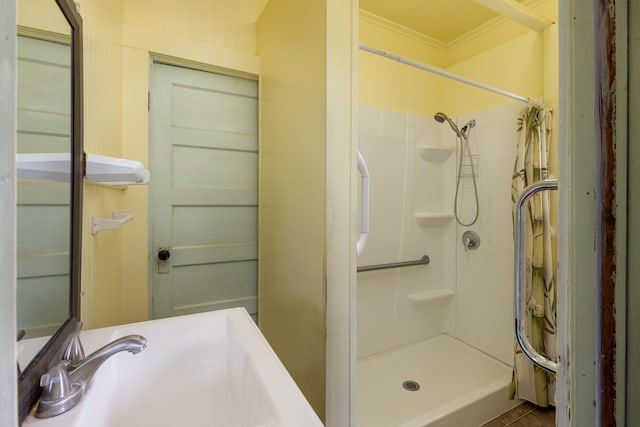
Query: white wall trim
{"points": [[340, 263]]}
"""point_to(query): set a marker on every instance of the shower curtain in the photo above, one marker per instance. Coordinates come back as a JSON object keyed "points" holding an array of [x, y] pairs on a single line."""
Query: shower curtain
{"points": [[529, 381]]}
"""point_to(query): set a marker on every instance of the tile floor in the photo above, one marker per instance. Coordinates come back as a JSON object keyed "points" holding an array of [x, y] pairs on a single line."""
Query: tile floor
{"points": [[525, 415]]}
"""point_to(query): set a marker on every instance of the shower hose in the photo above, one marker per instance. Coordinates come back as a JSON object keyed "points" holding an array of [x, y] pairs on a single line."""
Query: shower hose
{"points": [[464, 147]]}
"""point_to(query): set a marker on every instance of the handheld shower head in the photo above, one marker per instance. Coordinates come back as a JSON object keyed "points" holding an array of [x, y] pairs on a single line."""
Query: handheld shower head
{"points": [[441, 117], [463, 135]]}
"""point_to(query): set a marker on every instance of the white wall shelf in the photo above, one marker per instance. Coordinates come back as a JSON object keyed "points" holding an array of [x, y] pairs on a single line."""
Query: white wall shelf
{"points": [[99, 169], [425, 297], [430, 219], [436, 154], [115, 171]]}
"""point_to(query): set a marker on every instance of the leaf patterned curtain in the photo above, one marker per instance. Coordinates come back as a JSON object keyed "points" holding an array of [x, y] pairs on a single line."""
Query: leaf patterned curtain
{"points": [[529, 381]]}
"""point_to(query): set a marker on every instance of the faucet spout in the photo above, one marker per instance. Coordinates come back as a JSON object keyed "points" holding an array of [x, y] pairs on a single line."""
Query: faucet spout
{"points": [[82, 371]]}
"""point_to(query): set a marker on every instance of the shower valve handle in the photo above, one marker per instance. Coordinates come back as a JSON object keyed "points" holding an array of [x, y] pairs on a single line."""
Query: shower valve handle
{"points": [[470, 240]]}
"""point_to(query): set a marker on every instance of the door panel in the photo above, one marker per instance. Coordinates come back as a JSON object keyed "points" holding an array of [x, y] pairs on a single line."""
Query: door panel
{"points": [[194, 166], [220, 224], [204, 190]]}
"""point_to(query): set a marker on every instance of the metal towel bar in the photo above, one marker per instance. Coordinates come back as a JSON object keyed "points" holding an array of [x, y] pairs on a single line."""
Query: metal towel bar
{"points": [[422, 261], [525, 345]]}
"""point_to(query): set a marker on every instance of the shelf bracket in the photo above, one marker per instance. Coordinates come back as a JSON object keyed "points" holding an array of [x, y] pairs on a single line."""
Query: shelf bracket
{"points": [[117, 220]]}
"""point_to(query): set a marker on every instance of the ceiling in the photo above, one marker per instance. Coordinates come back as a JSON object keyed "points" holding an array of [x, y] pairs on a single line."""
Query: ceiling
{"points": [[442, 20]]}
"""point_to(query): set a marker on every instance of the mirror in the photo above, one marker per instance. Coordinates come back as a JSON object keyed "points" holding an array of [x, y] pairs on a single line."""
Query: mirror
{"points": [[43, 207], [48, 211]]}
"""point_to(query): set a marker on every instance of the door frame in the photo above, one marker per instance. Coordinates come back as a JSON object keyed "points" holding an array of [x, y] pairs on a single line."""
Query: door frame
{"points": [[632, 380], [592, 282]]}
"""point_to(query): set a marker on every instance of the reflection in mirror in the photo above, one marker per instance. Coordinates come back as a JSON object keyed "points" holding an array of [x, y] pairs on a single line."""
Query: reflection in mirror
{"points": [[43, 211], [48, 212]]}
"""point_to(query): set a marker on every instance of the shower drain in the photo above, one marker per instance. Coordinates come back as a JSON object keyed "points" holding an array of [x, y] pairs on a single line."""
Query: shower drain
{"points": [[411, 385]]}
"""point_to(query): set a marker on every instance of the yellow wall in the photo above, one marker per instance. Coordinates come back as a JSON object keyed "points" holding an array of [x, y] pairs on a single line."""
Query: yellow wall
{"points": [[307, 165], [119, 38], [291, 308], [101, 260], [387, 84], [516, 66]]}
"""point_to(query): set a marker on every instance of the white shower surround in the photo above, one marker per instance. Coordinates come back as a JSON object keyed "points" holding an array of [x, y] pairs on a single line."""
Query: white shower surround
{"points": [[404, 184]]}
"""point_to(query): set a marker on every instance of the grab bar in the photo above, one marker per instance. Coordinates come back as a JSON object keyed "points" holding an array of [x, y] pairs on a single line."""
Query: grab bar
{"points": [[525, 345], [364, 222], [422, 261]]}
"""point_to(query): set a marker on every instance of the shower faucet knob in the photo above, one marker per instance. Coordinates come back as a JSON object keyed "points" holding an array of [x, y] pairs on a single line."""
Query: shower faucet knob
{"points": [[470, 240]]}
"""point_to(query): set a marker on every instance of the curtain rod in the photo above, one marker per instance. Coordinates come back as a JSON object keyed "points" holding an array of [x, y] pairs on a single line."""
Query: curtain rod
{"points": [[442, 73]]}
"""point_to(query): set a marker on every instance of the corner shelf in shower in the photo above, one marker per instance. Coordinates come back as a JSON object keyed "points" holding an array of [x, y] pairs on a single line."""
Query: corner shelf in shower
{"points": [[433, 219], [420, 298], [432, 153]]}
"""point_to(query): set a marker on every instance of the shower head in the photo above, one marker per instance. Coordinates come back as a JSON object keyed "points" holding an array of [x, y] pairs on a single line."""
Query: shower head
{"points": [[441, 117]]}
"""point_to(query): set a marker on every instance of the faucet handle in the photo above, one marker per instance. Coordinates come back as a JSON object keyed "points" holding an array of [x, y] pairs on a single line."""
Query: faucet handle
{"points": [[55, 383], [59, 394], [74, 352]]}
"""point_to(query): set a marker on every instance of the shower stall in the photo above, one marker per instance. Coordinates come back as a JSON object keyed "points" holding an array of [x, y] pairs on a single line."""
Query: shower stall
{"points": [[435, 341]]}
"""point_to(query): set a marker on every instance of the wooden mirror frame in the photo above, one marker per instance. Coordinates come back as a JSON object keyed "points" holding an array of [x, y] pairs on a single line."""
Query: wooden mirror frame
{"points": [[29, 390]]}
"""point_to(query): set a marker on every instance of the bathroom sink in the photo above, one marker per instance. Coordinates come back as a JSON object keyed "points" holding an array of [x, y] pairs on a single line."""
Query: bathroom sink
{"points": [[208, 369]]}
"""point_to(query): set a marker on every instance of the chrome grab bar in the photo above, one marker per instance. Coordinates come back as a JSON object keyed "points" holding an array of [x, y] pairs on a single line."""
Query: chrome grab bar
{"points": [[422, 261], [364, 221], [527, 348]]}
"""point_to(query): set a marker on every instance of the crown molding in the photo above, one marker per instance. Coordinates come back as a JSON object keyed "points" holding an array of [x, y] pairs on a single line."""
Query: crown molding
{"points": [[486, 27], [517, 12], [386, 24]]}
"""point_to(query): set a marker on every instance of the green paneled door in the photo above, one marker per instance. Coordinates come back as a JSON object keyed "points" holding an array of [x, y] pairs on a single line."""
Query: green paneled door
{"points": [[203, 191]]}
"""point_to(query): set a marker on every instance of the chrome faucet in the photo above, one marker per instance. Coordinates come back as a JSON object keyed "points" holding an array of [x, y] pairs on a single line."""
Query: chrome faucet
{"points": [[65, 383]]}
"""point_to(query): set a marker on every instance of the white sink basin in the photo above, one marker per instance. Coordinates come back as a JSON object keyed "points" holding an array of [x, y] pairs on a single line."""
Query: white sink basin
{"points": [[208, 369]]}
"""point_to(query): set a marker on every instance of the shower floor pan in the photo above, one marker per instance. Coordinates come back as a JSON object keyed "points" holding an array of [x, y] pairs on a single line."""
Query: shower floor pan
{"points": [[457, 386]]}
